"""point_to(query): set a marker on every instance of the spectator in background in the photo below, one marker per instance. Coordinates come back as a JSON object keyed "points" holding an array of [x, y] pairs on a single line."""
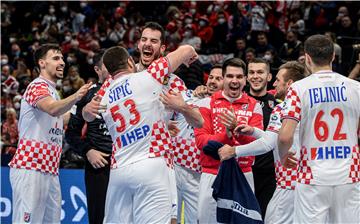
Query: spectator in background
{"points": [[75, 80], [249, 54], [297, 24], [240, 44], [220, 36], [9, 131], [338, 52], [191, 38], [117, 34], [262, 45], [290, 50], [205, 32]]}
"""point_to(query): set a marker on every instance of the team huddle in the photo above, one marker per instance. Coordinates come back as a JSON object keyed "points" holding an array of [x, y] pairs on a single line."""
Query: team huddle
{"points": [[146, 132]]}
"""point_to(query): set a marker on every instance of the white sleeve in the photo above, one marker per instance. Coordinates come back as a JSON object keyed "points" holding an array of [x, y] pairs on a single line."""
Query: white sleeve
{"points": [[260, 146]]}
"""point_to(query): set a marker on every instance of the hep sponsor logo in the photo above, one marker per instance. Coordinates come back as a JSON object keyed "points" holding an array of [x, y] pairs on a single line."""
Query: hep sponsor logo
{"points": [[330, 152]]}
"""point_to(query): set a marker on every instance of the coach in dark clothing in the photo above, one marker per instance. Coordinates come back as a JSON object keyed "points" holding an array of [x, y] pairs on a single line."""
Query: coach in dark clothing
{"points": [[258, 77], [96, 147]]}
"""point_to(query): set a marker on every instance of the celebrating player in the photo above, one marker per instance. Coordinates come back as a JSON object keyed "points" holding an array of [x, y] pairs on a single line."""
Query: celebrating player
{"points": [[327, 105], [35, 165]]}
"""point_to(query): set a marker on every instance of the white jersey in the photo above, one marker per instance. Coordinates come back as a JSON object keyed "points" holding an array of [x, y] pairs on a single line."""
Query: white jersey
{"points": [[135, 117], [186, 153], [327, 104], [285, 178], [40, 136]]}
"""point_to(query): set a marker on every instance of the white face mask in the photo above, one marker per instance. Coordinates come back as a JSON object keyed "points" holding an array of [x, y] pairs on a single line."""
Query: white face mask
{"points": [[90, 61], [187, 34], [267, 57], [70, 60], [4, 61], [193, 11], [51, 10], [202, 23], [221, 20], [73, 78], [66, 88], [64, 9], [67, 38], [17, 105], [188, 21]]}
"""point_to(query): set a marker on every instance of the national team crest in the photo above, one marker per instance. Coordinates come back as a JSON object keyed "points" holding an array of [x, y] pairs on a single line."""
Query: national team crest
{"points": [[27, 216], [271, 104], [245, 106]]}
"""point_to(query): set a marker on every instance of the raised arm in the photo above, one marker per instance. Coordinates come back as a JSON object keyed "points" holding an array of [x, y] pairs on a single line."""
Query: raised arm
{"points": [[58, 107]]}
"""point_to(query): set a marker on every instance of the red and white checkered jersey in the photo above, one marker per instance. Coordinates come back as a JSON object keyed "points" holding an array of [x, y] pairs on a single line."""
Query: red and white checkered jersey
{"points": [[285, 178], [40, 134], [327, 104], [186, 153], [135, 117]]}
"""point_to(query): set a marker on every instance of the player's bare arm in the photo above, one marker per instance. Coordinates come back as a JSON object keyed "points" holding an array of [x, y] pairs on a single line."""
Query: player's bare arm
{"points": [[176, 102], [286, 137], [185, 54], [58, 107]]}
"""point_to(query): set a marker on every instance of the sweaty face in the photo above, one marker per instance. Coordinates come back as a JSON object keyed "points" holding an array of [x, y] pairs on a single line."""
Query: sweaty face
{"points": [[150, 46], [280, 85], [258, 77], [53, 64], [215, 81], [234, 81]]}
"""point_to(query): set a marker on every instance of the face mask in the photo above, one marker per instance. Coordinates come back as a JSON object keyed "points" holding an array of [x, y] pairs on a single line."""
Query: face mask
{"points": [[64, 9], [83, 4], [193, 11], [202, 23], [73, 78], [188, 21], [66, 89], [341, 14], [90, 61], [267, 57], [216, 8], [221, 20], [12, 39], [67, 38], [4, 61], [102, 39], [187, 34], [70, 60], [51, 10], [176, 16], [17, 105]]}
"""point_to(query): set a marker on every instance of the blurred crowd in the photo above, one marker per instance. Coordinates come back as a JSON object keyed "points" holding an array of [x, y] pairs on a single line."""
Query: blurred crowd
{"points": [[218, 30]]}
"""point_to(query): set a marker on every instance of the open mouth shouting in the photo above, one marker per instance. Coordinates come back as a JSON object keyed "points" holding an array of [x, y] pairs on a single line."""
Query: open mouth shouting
{"points": [[147, 55]]}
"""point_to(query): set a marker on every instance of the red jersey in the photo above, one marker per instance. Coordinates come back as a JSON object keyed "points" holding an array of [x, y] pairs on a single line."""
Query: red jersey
{"points": [[247, 110]]}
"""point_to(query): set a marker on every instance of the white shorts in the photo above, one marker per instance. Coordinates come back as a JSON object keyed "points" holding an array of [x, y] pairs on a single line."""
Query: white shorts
{"points": [[187, 182], [174, 196], [36, 196], [281, 207], [332, 204], [139, 193]]}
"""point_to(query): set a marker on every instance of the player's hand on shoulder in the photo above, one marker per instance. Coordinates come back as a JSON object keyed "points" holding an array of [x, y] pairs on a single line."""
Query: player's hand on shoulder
{"points": [[97, 158]]}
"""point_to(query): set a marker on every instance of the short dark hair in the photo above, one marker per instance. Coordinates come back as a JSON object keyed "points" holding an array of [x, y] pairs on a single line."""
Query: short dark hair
{"points": [[217, 65], [155, 26], [41, 52], [97, 59], [234, 62], [115, 59], [294, 70], [320, 49], [260, 61]]}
